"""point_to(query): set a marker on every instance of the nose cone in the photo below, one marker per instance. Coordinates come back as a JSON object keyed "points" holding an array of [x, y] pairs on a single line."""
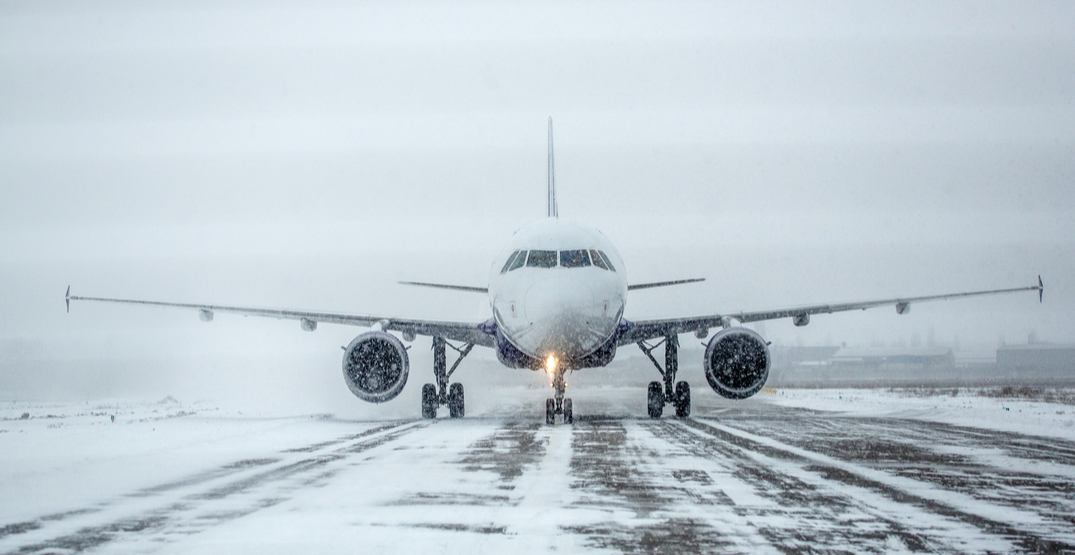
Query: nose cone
{"points": [[565, 319]]}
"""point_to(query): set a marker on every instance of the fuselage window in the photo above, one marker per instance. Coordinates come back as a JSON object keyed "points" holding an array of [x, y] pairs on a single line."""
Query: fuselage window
{"points": [[607, 261], [511, 259], [597, 260], [541, 259], [518, 262], [574, 259]]}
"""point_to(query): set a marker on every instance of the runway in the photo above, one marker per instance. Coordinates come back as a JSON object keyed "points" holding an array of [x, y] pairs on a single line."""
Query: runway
{"points": [[735, 478]]}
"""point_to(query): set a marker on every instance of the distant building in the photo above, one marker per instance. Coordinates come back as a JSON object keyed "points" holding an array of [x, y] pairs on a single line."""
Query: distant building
{"points": [[874, 357], [1036, 356], [1034, 364]]}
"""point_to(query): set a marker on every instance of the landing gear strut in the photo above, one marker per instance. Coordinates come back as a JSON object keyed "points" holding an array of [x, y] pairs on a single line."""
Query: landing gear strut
{"points": [[670, 392], [434, 396], [558, 404]]}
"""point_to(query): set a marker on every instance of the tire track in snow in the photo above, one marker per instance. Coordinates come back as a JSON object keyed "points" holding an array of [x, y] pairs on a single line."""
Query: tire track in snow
{"points": [[1026, 531], [798, 512], [187, 512], [186, 482], [507, 451], [619, 469], [795, 428], [491, 478], [1023, 472]]}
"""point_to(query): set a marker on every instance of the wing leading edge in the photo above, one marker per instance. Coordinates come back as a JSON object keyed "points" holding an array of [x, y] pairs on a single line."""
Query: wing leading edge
{"points": [[662, 283], [466, 288], [649, 329], [457, 331]]}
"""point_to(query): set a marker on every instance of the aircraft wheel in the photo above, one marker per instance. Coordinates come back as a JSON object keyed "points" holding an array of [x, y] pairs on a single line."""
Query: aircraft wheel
{"points": [[568, 417], [550, 412], [683, 399], [656, 399], [455, 400], [429, 401]]}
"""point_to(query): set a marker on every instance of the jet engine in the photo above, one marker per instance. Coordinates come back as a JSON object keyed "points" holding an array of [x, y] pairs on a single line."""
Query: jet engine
{"points": [[737, 363], [375, 366]]}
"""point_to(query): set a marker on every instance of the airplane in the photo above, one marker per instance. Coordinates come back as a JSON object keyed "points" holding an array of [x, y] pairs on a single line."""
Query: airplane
{"points": [[557, 290]]}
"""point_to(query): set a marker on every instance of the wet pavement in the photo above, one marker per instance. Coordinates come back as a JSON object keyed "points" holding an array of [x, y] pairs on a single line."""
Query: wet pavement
{"points": [[763, 480]]}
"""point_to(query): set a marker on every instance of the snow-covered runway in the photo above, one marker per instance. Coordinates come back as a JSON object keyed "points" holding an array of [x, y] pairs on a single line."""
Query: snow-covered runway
{"points": [[760, 477]]}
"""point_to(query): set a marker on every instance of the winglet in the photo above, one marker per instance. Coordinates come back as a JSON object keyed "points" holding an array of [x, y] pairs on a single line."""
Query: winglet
{"points": [[67, 299], [553, 212], [1041, 289]]}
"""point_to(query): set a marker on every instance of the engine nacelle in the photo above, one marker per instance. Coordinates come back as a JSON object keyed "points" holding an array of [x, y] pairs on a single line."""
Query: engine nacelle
{"points": [[737, 363], [375, 366]]}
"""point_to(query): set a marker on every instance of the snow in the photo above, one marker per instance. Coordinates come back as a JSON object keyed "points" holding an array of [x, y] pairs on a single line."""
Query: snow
{"points": [[967, 408], [861, 470], [73, 454]]}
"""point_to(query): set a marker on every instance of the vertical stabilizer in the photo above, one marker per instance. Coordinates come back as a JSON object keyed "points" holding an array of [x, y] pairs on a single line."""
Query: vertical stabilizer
{"points": [[553, 213]]}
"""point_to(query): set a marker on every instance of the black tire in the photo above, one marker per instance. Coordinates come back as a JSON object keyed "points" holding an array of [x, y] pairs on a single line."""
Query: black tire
{"points": [[569, 418], [550, 412], [655, 399], [683, 399], [456, 407], [429, 401]]}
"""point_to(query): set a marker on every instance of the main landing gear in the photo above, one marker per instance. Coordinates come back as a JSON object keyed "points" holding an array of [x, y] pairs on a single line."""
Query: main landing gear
{"points": [[660, 394], [434, 396], [557, 404]]}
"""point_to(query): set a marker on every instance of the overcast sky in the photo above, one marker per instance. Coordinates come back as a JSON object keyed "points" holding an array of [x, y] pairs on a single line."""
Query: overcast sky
{"points": [[309, 156]]}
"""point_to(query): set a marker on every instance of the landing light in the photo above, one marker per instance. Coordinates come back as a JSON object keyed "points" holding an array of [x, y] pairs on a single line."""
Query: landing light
{"points": [[550, 364]]}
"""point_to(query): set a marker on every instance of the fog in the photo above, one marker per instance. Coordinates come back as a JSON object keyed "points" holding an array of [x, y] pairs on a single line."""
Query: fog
{"points": [[311, 156]]}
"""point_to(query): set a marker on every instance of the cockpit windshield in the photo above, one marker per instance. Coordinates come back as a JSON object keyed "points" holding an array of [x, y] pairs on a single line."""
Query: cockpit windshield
{"points": [[518, 261], [509, 265], [541, 259], [574, 259], [600, 259], [608, 262]]}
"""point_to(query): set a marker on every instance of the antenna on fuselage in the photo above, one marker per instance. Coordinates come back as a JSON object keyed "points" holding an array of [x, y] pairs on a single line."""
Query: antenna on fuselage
{"points": [[553, 213]]}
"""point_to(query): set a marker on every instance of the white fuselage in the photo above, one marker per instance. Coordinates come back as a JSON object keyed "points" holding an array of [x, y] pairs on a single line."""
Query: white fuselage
{"points": [[558, 289]]}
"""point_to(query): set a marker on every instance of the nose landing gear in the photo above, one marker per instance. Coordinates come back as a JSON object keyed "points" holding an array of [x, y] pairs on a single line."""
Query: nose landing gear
{"points": [[670, 392], [558, 404]]}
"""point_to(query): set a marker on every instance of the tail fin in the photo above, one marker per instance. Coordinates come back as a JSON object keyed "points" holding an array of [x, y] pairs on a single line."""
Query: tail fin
{"points": [[553, 212]]}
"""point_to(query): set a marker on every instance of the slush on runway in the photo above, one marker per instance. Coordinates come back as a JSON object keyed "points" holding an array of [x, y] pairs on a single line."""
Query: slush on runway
{"points": [[761, 476]]}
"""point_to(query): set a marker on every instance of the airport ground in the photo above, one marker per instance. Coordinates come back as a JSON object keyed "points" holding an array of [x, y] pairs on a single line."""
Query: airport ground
{"points": [[790, 471]]}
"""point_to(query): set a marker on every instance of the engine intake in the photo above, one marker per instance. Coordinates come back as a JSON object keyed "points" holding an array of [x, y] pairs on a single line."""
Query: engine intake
{"points": [[375, 366], [737, 363]]}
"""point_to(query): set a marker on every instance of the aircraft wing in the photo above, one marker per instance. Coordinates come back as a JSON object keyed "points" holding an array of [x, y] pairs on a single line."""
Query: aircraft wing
{"points": [[636, 286], [467, 288], [457, 331], [642, 330]]}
